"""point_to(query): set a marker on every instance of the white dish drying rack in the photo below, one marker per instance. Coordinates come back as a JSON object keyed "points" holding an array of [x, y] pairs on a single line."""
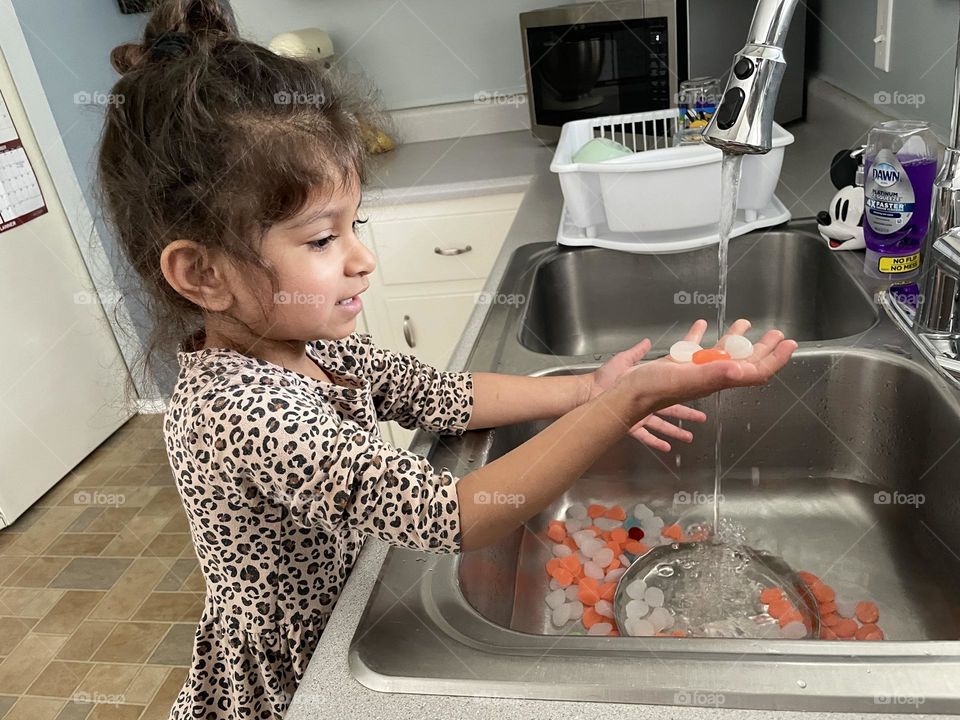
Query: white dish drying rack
{"points": [[662, 198]]}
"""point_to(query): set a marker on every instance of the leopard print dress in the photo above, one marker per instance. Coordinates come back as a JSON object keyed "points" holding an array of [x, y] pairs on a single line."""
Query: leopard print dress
{"points": [[282, 476]]}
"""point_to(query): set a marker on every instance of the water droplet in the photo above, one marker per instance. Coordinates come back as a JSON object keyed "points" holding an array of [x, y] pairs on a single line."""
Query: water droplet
{"points": [[664, 570], [801, 683]]}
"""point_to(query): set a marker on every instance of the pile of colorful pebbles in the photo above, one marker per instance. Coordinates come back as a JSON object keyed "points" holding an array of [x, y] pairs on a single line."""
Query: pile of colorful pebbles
{"points": [[734, 347], [840, 619], [592, 547]]}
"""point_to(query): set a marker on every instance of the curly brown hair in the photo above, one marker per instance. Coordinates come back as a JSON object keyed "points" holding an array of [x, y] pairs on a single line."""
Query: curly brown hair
{"points": [[217, 139]]}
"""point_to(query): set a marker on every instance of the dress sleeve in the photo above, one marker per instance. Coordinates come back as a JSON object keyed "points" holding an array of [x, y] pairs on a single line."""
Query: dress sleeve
{"points": [[262, 441], [414, 394]]}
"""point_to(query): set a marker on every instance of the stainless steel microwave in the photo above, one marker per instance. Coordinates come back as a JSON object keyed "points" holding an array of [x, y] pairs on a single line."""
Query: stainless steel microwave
{"points": [[593, 59]]}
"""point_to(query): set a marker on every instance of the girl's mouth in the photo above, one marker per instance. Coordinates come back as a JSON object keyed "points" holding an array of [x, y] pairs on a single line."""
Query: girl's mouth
{"points": [[351, 303]]}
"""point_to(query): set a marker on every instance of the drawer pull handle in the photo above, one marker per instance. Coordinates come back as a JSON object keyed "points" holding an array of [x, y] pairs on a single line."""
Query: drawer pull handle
{"points": [[408, 332], [452, 251]]}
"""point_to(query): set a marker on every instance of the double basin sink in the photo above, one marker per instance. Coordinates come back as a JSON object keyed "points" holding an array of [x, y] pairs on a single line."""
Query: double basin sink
{"points": [[845, 465]]}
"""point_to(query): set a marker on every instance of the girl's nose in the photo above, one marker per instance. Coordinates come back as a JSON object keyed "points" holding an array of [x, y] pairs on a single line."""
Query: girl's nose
{"points": [[362, 260]]}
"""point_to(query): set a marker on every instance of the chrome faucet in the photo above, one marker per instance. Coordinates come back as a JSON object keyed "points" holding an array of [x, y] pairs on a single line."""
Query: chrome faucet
{"points": [[743, 123], [933, 321]]}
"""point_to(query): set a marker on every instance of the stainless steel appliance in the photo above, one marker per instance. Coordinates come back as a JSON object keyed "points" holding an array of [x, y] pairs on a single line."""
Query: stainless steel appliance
{"points": [[621, 56]]}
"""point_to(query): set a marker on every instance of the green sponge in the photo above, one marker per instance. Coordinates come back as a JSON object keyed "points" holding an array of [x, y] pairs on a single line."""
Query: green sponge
{"points": [[600, 149]]}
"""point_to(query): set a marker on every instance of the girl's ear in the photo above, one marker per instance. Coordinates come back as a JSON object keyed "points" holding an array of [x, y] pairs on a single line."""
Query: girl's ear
{"points": [[196, 274]]}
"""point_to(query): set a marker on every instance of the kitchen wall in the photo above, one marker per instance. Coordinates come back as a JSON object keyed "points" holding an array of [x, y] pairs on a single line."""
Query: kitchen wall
{"points": [[920, 82]]}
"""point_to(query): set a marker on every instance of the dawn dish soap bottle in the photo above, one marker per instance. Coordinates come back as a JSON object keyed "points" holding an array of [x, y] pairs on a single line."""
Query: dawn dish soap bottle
{"points": [[900, 167]]}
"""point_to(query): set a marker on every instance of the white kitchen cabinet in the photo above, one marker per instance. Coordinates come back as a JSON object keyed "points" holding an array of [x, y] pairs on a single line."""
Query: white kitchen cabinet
{"points": [[433, 260]]}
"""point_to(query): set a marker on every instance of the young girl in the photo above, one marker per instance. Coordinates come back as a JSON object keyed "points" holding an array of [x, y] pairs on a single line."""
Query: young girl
{"points": [[233, 177]]}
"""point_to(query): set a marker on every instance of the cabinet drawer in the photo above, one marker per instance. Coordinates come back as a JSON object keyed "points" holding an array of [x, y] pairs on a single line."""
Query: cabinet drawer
{"points": [[432, 246]]}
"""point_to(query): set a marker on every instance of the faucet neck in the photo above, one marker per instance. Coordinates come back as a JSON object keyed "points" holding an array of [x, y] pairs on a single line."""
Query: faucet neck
{"points": [[771, 21]]}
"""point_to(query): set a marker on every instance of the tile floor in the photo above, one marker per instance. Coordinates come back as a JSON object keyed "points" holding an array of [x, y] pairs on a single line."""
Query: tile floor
{"points": [[100, 590]]}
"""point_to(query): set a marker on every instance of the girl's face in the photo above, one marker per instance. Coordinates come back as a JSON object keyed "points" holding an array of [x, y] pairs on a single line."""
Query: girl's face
{"points": [[322, 267]]}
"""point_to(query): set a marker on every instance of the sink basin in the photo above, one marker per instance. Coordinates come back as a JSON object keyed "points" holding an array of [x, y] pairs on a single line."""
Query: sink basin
{"points": [[853, 486], [845, 465], [592, 300]]}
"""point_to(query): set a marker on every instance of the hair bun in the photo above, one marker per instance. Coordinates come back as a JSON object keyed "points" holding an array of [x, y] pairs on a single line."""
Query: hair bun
{"points": [[127, 57], [170, 44]]}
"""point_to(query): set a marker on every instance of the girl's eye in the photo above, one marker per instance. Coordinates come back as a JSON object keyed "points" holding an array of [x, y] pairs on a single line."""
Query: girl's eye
{"points": [[358, 222], [322, 243]]}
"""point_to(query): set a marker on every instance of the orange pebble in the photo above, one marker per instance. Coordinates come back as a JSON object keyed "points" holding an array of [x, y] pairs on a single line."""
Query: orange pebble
{"points": [[822, 592], [845, 628], [867, 612], [591, 617], [808, 577], [678, 633], [616, 513], [619, 535], [615, 546], [828, 607], [614, 564], [607, 590], [556, 531], [778, 608], [614, 633], [790, 616], [595, 511], [768, 595], [702, 357], [674, 532], [869, 632], [826, 633], [571, 563], [830, 619], [553, 564], [635, 547], [564, 577], [570, 543], [596, 531]]}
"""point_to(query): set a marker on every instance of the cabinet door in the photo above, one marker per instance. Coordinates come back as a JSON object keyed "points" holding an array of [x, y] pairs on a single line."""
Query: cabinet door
{"points": [[429, 326]]}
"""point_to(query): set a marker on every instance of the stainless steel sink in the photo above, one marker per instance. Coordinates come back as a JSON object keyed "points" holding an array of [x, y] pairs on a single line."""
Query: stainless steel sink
{"points": [[586, 301], [846, 465]]}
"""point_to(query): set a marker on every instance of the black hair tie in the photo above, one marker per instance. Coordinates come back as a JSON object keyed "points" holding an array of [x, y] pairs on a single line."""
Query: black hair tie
{"points": [[170, 44]]}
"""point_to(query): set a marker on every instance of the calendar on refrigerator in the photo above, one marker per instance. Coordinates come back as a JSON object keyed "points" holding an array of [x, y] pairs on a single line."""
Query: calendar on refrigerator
{"points": [[21, 199]]}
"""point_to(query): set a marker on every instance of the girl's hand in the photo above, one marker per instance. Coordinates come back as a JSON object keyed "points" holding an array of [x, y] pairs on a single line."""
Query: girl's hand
{"points": [[672, 382], [606, 376]]}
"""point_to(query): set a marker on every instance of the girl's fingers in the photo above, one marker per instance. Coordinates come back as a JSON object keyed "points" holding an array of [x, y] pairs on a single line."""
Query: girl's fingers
{"points": [[650, 440], [638, 351], [654, 423], [696, 331], [766, 345], [682, 412]]}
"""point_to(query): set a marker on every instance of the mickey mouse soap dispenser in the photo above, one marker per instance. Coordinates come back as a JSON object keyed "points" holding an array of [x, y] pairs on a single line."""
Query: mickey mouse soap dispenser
{"points": [[842, 225]]}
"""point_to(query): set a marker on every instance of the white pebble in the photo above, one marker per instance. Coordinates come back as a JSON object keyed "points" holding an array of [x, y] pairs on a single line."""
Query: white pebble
{"points": [[561, 615], [554, 584], [642, 512], [683, 351], [660, 618], [794, 630], [582, 536], [603, 556], [637, 609], [604, 607], [582, 558], [572, 591], [607, 523], [739, 347], [624, 560], [573, 526], [576, 609], [636, 590], [846, 608], [654, 521], [592, 547], [600, 628], [614, 575], [561, 550], [654, 597], [556, 598], [638, 627], [591, 569], [577, 511]]}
